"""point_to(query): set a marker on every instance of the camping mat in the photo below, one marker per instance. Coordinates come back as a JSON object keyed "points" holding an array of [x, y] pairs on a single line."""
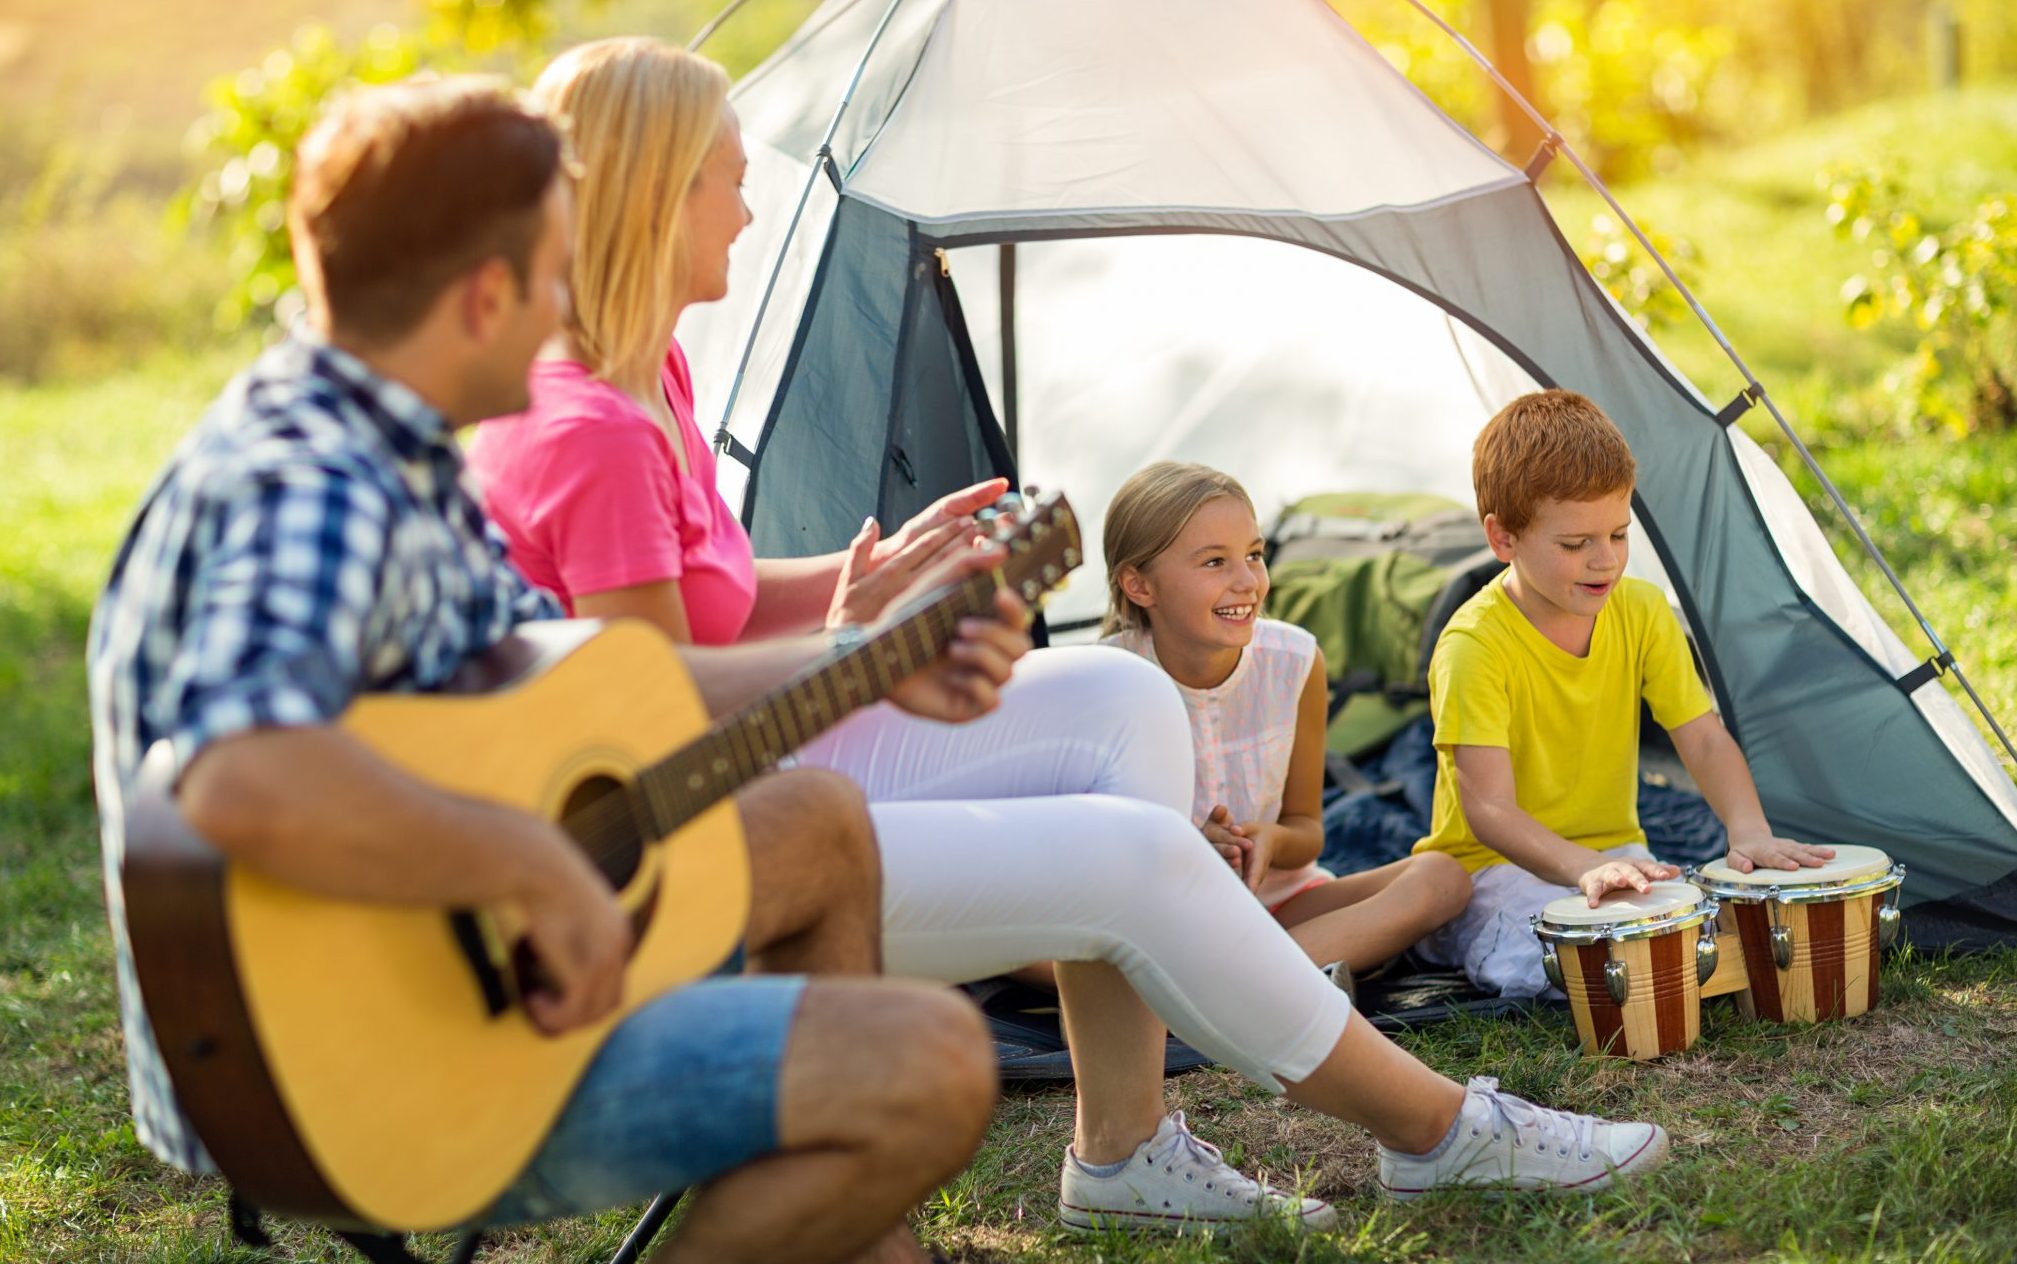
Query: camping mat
{"points": [[1029, 1046]]}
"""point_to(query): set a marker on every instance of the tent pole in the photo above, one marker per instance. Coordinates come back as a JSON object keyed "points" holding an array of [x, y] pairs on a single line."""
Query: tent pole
{"points": [[701, 36], [823, 164], [1751, 383], [1007, 288]]}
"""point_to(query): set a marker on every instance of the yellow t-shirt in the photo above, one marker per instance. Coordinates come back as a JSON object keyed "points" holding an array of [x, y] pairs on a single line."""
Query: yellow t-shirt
{"points": [[1571, 724]]}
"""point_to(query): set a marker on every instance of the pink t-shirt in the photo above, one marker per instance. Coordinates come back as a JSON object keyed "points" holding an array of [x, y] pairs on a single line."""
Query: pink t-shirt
{"points": [[590, 497]]}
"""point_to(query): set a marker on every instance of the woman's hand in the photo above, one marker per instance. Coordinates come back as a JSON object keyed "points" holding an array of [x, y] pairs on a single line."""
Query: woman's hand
{"points": [[866, 586], [952, 508]]}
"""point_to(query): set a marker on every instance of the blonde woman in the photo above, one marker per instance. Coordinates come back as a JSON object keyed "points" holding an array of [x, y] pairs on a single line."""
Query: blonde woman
{"points": [[1186, 584], [1056, 828]]}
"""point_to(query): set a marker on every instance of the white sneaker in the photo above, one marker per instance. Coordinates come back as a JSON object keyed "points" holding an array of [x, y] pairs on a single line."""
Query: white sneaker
{"points": [[1502, 1140], [1175, 1183]]}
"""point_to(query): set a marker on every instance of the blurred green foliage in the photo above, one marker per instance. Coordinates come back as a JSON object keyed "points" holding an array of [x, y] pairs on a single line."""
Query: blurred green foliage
{"points": [[258, 116], [1618, 264], [255, 120], [1956, 287], [1635, 85]]}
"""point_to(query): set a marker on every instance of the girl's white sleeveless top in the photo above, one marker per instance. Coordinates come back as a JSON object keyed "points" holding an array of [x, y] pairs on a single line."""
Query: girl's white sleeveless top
{"points": [[1242, 732]]}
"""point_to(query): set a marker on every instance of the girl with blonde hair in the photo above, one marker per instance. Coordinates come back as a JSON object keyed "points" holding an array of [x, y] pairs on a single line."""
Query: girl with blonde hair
{"points": [[1052, 828], [1186, 583]]}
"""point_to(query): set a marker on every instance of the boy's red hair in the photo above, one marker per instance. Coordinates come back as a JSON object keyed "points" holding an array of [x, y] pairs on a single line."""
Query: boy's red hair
{"points": [[1550, 445]]}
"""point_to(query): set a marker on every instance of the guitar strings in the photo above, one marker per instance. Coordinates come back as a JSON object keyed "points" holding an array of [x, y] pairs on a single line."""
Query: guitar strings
{"points": [[609, 827]]}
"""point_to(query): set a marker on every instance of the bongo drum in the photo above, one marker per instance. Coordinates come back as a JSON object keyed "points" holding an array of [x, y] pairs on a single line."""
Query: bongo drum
{"points": [[1810, 937], [1633, 966]]}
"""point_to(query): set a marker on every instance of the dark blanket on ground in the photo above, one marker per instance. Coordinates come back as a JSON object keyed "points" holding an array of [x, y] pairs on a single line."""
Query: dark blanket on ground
{"points": [[1361, 831]]}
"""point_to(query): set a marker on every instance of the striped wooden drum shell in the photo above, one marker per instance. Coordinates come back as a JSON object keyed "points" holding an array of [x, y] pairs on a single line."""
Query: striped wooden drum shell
{"points": [[1811, 938], [1632, 967]]}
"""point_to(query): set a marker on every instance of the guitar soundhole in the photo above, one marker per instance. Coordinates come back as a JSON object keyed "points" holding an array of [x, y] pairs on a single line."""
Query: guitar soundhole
{"points": [[605, 828]]}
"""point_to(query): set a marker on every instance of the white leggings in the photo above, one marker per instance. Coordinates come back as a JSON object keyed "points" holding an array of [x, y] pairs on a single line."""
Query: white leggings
{"points": [[1056, 829]]}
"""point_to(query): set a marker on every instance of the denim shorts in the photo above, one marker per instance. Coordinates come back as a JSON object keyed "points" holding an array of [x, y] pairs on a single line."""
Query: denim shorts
{"points": [[683, 1090]]}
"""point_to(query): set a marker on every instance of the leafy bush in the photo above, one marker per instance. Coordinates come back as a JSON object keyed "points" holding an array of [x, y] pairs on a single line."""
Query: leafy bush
{"points": [[1957, 287], [259, 115], [1616, 260]]}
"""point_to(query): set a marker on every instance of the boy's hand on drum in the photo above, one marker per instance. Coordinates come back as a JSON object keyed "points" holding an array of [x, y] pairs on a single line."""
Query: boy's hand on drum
{"points": [[1227, 838], [1761, 849], [1623, 875]]}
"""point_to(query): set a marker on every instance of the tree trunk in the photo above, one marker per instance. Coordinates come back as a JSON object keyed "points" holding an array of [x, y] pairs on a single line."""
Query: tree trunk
{"points": [[1509, 20]]}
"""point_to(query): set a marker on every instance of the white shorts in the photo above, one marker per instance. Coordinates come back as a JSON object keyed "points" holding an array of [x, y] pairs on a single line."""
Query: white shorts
{"points": [[1493, 938]]}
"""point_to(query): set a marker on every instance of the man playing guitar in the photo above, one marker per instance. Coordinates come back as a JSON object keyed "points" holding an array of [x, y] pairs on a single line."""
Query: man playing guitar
{"points": [[313, 540]]}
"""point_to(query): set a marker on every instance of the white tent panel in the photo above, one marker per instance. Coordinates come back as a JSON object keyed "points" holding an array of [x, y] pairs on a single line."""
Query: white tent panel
{"points": [[1056, 105], [789, 100], [1294, 371]]}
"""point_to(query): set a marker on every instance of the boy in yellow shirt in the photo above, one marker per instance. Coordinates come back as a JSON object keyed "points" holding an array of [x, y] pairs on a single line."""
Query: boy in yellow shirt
{"points": [[1535, 687]]}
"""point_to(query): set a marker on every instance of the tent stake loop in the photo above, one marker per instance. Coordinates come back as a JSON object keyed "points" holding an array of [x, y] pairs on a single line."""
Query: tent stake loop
{"points": [[1739, 406]]}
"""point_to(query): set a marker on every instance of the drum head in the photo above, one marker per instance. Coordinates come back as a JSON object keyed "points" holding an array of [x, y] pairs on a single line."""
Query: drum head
{"points": [[1850, 864], [1664, 900]]}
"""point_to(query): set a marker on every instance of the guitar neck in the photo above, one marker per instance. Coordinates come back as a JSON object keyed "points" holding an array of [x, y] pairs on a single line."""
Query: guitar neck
{"points": [[749, 742]]}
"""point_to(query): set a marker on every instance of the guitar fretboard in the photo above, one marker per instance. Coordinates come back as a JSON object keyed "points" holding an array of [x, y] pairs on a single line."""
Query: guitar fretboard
{"points": [[749, 742]]}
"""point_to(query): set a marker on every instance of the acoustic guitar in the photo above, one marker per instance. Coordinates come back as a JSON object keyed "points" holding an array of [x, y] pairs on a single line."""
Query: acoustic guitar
{"points": [[370, 1065]]}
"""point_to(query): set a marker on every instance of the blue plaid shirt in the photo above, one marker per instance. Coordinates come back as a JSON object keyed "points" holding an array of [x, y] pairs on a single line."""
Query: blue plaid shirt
{"points": [[312, 539]]}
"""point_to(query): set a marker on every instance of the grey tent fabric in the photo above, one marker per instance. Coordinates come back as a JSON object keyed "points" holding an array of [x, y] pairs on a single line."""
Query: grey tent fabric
{"points": [[880, 403], [887, 411]]}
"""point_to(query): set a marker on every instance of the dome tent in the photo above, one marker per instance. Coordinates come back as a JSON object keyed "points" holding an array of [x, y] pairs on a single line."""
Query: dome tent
{"points": [[1057, 239]]}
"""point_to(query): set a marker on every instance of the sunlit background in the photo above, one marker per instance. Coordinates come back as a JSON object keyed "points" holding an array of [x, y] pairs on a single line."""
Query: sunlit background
{"points": [[1837, 180]]}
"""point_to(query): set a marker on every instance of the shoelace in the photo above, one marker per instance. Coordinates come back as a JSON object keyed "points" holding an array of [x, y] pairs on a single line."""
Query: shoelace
{"points": [[1184, 1149], [1554, 1126]]}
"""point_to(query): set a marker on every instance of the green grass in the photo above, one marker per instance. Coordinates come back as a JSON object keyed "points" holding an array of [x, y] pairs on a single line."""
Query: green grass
{"points": [[1890, 1139], [1820, 1143]]}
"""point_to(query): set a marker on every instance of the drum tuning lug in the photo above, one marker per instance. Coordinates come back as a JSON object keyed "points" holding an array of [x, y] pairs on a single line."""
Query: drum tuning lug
{"points": [[1889, 919], [1707, 953], [1551, 965], [1618, 982], [1782, 947]]}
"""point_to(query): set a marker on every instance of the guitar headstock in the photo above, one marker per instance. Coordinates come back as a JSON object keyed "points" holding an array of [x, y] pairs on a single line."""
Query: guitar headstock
{"points": [[1041, 534]]}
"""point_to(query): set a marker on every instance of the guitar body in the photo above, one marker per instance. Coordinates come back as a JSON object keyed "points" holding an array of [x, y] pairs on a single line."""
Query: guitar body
{"points": [[372, 1066], [414, 1098]]}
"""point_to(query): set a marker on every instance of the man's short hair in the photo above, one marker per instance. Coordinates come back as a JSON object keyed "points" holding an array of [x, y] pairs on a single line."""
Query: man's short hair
{"points": [[401, 189], [1550, 445]]}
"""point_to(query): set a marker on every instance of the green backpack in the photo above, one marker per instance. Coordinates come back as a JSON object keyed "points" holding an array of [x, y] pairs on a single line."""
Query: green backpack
{"points": [[1374, 576]]}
